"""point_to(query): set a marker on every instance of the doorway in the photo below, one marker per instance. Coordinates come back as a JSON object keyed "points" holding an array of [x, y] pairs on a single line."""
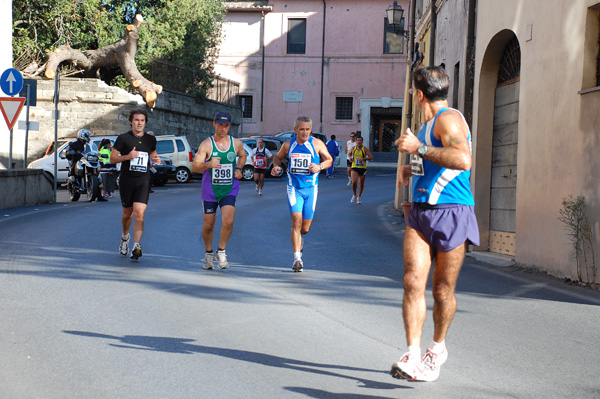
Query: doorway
{"points": [[385, 129], [503, 190]]}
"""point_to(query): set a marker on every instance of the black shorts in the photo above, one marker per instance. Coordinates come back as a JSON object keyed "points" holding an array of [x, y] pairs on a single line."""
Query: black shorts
{"points": [[211, 206], [261, 171], [360, 171], [134, 189]]}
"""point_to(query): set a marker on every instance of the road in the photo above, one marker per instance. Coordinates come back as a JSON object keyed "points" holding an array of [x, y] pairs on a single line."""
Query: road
{"points": [[77, 320]]}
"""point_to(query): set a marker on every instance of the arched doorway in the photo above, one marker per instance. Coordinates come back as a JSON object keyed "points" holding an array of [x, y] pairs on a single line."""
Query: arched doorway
{"points": [[503, 183]]}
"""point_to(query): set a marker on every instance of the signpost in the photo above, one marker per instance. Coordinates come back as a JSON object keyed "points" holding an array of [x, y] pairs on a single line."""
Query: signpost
{"points": [[30, 94], [11, 83]]}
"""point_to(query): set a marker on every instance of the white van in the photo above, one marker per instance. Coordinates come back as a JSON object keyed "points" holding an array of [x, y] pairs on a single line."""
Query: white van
{"points": [[178, 150]]}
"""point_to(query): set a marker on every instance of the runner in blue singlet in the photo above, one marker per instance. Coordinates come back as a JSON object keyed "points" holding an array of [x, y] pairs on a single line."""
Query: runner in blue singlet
{"points": [[307, 157]]}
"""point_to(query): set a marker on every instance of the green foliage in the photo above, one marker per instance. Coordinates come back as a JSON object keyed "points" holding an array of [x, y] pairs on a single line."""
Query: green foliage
{"points": [[41, 26], [580, 233], [128, 9], [186, 32]]}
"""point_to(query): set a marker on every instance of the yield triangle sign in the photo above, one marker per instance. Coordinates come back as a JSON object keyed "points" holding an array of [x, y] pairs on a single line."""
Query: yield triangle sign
{"points": [[11, 108]]}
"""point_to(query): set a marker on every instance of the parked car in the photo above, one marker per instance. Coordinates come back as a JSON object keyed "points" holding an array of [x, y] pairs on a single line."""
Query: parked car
{"points": [[248, 168], [47, 162], [289, 135], [179, 150], [164, 171], [272, 144]]}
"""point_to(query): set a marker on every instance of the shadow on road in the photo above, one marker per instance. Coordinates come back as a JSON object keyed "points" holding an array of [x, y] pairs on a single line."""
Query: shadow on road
{"points": [[186, 346]]}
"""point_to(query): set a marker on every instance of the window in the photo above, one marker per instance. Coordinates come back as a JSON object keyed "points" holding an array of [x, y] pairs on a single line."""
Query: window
{"points": [[591, 50], [271, 146], [247, 106], [393, 42], [164, 147], [343, 108], [296, 37]]}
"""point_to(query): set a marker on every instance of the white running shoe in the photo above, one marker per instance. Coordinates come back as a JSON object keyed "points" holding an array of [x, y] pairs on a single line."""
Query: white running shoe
{"points": [[209, 261], [221, 258], [256, 188], [353, 199], [433, 362], [124, 246], [349, 182], [358, 201], [259, 192], [298, 266], [409, 368]]}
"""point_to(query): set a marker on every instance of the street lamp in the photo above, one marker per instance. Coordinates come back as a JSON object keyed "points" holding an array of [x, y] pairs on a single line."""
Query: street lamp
{"points": [[395, 16]]}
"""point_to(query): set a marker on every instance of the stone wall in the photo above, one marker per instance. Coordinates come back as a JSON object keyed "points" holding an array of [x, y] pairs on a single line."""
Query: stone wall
{"points": [[24, 187], [103, 109]]}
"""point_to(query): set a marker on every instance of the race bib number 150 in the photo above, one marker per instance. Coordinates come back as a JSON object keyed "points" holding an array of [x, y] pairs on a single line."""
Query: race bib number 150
{"points": [[299, 164]]}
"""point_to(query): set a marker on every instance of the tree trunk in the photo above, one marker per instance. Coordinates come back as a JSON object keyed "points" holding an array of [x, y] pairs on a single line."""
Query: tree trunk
{"points": [[121, 53]]}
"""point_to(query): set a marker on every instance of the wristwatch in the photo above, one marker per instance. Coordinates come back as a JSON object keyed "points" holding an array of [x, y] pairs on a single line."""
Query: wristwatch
{"points": [[422, 150]]}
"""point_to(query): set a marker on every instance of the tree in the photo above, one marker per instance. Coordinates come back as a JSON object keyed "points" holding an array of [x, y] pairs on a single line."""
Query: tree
{"points": [[41, 26], [184, 31]]}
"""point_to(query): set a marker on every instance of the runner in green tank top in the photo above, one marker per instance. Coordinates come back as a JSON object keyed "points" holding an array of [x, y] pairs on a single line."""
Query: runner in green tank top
{"points": [[219, 182], [216, 160]]}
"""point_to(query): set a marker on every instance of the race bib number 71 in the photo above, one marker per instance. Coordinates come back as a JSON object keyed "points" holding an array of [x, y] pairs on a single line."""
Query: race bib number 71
{"points": [[139, 164]]}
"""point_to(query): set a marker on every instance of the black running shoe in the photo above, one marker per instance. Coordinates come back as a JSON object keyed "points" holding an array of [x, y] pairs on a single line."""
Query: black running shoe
{"points": [[136, 252]]}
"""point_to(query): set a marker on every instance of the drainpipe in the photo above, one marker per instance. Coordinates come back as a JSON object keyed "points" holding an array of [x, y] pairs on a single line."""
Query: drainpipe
{"points": [[323, 63], [262, 79], [432, 33], [470, 63]]}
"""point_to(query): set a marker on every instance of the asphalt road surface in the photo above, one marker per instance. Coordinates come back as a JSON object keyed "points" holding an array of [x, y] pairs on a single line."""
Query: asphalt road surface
{"points": [[77, 320]]}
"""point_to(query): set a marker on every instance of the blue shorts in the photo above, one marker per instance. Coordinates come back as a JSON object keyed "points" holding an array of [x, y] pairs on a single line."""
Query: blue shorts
{"points": [[445, 226], [303, 200], [211, 206]]}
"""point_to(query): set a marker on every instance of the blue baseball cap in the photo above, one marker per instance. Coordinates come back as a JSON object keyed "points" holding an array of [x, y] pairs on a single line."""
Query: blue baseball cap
{"points": [[223, 117]]}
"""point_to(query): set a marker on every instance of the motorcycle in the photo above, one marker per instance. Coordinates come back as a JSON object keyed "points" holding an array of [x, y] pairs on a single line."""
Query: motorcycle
{"points": [[86, 178]]}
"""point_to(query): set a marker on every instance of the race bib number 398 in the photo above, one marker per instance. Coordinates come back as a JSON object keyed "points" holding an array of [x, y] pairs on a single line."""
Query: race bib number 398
{"points": [[299, 164], [139, 164], [222, 175]]}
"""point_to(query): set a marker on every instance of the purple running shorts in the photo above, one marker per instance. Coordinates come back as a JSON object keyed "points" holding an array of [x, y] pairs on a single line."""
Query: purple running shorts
{"points": [[445, 226]]}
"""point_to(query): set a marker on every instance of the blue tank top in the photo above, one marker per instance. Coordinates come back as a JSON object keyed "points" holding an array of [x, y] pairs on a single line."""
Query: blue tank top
{"points": [[440, 185], [300, 157]]}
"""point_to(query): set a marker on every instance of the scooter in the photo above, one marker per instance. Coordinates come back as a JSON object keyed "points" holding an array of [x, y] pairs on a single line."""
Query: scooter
{"points": [[86, 178]]}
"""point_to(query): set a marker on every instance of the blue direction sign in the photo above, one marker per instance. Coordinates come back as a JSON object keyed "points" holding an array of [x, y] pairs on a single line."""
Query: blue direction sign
{"points": [[11, 82]]}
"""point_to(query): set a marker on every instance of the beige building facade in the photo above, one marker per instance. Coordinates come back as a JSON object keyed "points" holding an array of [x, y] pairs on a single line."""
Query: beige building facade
{"points": [[526, 74], [536, 127]]}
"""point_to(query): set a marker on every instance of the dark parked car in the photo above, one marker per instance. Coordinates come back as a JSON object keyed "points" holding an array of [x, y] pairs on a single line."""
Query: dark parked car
{"points": [[164, 171]]}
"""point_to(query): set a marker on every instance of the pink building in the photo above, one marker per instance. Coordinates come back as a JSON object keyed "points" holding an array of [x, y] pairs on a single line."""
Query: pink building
{"points": [[337, 62]]}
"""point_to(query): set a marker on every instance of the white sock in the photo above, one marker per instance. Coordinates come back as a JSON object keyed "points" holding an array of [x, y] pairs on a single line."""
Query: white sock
{"points": [[297, 255], [125, 237], [437, 347], [136, 244], [414, 350]]}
